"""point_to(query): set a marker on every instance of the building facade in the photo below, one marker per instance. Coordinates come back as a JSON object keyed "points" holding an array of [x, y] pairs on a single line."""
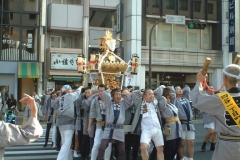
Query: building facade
{"points": [[41, 39], [65, 38], [179, 52], [20, 46]]}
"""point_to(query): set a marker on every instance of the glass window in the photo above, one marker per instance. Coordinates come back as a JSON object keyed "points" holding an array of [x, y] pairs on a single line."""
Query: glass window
{"points": [[29, 44], [11, 18], [194, 38], [164, 35], [196, 6], [30, 19], [1, 5], [179, 36], [212, 10], [155, 3], [32, 16], [55, 42], [183, 5], [199, 9], [170, 4], [206, 38], [12, 5], [10, 43], [149, 27], [67, 1], [30, 5], [103, 21], [66, 42]]}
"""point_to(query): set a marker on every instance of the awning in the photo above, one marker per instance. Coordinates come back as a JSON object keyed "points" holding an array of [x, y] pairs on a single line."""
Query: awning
{"points": [[28, 70], [65, 78]]}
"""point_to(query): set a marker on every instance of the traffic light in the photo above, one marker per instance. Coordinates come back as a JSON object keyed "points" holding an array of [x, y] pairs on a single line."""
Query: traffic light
{"points": [[196, 25]]}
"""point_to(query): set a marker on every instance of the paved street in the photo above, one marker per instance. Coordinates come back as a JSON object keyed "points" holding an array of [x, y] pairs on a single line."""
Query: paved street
{"points": [[35, 151]]}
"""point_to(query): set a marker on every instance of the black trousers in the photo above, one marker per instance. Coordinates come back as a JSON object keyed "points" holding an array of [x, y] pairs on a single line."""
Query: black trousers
{"points": [[171, 148], [80, 138], [49, 125], [73, 141], [132, 140], [104, 144], [86, 144], [58, 143]]}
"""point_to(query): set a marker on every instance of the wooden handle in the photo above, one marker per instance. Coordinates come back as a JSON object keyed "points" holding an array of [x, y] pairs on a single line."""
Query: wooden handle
{"points": [[236, 60], [206, 65]]}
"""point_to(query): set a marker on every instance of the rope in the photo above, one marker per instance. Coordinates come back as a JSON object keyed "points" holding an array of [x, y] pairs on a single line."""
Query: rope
{"points": [[205, 85]]}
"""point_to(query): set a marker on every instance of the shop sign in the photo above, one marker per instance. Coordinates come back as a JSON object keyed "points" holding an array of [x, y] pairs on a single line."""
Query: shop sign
{"points": [[120, 17], [231, 30], [64, 61]]}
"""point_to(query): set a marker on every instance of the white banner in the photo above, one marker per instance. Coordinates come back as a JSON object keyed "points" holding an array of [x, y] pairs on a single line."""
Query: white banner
{"points": [[50, 87], [130, 80]]}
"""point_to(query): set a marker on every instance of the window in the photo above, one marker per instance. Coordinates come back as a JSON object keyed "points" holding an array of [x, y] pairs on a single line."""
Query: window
{"points": [[164, 35], [12, 5], [30, 5], [66, 42], [17, 43], [183, 5], [194, 38], [55, 42], [170, 4], [155, 3], [61, 42], [8, 18], [66, 1], [101, 18], [196, 6], [210, 8], [179, 36], [11, 16], [32, 16]]}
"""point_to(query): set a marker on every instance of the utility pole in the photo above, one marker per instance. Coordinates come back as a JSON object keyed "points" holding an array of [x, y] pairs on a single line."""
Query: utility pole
{"points": [[85, 36]]}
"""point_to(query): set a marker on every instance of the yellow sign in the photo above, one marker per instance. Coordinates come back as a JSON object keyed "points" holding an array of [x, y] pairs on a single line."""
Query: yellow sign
{"points": [[230, 105]]}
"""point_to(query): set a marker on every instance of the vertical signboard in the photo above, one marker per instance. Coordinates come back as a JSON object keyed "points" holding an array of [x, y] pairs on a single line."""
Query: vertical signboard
{"points": [[231, 30], [119, 17]]}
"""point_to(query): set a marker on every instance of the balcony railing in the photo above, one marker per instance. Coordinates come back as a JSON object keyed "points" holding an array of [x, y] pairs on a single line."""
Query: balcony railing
{"points": [[13, 54]]}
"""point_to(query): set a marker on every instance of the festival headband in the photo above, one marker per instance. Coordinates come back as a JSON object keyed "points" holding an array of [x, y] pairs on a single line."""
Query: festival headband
{"points": [[231, 75]]}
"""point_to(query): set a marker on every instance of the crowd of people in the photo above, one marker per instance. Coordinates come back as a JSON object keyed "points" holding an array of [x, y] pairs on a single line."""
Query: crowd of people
{"points": [[98, 122], [93, 121]]}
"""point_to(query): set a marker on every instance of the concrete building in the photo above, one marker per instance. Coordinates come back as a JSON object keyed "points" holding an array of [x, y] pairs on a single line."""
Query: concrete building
{"points": [[65, 38], [179, 52], [20, 69], [46, 36]]}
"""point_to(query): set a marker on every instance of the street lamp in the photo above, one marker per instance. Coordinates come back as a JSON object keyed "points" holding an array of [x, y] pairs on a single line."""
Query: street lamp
{"points": [[150, 53]]}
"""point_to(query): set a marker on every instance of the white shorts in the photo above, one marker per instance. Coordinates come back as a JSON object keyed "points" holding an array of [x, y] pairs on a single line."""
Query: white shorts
{"points": [[154, 134], [188, 135], [209, 125]]}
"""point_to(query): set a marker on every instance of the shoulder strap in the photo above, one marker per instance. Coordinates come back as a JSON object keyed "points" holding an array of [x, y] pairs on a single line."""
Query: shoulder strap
{"points": [[231, 106]]}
